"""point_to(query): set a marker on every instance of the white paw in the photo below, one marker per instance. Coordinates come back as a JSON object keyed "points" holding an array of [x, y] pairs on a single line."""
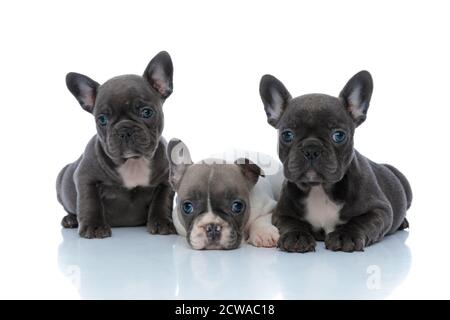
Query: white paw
{"points": [[266, 236]]}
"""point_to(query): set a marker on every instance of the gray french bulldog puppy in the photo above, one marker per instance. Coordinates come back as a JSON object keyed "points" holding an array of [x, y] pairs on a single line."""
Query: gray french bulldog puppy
{"points": [[331, 192], [121, 179], [221, 203]]}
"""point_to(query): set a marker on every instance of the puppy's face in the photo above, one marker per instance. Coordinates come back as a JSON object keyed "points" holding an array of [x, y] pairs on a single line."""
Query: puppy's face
{"points": [[316, 131], [315, 140], [212, 198], [213, 203], [129, 117], [127, 109]]}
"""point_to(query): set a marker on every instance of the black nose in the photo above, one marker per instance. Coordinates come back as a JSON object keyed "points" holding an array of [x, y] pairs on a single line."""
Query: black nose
{"points": [[125, 133], [213, 231], [311, 152]]}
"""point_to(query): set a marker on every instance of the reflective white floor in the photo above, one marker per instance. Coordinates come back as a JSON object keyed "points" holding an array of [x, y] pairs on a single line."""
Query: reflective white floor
{"points": [[133, 264], [38, 259]]}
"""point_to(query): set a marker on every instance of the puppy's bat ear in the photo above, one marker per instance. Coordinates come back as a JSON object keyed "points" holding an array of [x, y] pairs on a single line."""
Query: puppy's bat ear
{"points": [[356, 96], [83, 88], [179, 159], [250, 170], [275, 98], [159, 74]]}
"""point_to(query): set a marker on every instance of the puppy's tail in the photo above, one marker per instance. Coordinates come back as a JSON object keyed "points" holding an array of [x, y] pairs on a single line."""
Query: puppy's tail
{"points": [[404, 182]]}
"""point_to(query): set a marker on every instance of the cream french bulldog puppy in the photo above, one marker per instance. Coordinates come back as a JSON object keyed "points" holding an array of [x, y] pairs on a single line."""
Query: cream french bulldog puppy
{"points": [[220, 204]]}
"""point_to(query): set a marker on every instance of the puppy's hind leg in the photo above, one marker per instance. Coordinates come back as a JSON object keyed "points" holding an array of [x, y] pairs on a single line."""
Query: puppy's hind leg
{"points": [[405, 184], [70, 221], [404, 225], [262, 233], [59, 184], [66, 194]]}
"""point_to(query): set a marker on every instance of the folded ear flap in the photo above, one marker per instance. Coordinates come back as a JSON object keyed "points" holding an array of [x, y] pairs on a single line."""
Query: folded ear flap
{"points": [[159, 74], [83, 88], [250, 170], [179, 159], [356, 96], [275, 98]]}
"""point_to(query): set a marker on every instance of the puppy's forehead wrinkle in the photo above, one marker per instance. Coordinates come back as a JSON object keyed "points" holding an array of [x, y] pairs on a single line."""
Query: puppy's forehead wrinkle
{"points": [[123, 88], [227, 179], [312, 109], [196, 188], [315, 102], [195, 193], [121, 84], [213, 182]]}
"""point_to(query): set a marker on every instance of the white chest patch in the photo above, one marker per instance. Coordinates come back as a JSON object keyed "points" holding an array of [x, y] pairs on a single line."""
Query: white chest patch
{"points": [[321, 211], [135, 172]]}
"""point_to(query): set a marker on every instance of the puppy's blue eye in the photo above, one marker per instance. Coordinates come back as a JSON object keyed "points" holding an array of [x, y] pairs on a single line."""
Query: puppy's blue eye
{"points": [[338, 136], [146, 112], [188, 208], [287, 136], [102, 119], [237, 206]]}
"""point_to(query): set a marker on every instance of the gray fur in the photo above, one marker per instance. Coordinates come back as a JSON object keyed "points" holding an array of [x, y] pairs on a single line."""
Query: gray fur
{"points": [[212, 186], [91, 189], [373, 198]]}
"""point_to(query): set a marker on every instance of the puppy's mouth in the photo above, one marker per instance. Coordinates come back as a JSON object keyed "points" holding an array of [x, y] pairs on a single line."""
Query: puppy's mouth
{"points": [[310, 173], [137, 153], [135, 156], [129, 141], [311, 178]]}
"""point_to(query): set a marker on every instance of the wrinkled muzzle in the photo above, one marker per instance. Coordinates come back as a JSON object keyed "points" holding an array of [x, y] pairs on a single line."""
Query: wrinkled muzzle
{"points": [[311, 162], [209, 231], [128, 139]]}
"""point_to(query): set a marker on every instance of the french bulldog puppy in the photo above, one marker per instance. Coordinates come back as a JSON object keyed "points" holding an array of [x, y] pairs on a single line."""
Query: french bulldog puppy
{"points": [[220, 204], [332, 192], [121, 180]]}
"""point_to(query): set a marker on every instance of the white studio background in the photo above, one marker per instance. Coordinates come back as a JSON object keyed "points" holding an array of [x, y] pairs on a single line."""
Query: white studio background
{"points": [[220, 50]]}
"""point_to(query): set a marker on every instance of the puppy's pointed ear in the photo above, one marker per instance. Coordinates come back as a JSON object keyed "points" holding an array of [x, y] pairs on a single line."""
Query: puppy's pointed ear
{"points": [[159, 74], [250, 170], [275, 98], [356, 96], [179, 159], [83, 88]]}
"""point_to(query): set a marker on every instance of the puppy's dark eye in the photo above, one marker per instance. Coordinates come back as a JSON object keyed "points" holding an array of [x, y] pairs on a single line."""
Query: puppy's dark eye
{"points": [[146, 112], [287, 136], [188, 207], [338, 136], [237, 206], [102, 120]]}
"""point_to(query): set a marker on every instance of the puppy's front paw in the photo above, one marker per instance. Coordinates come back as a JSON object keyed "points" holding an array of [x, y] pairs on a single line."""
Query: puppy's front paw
{"points": [[346, 241], [266, 236], [94, 231], [161, 226], [297, 242]]}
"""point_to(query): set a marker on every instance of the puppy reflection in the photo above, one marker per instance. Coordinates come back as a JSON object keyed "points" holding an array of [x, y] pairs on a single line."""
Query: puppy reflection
{"points": [[129, 266], [271, 274], [118, 267], [219, 205]]}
